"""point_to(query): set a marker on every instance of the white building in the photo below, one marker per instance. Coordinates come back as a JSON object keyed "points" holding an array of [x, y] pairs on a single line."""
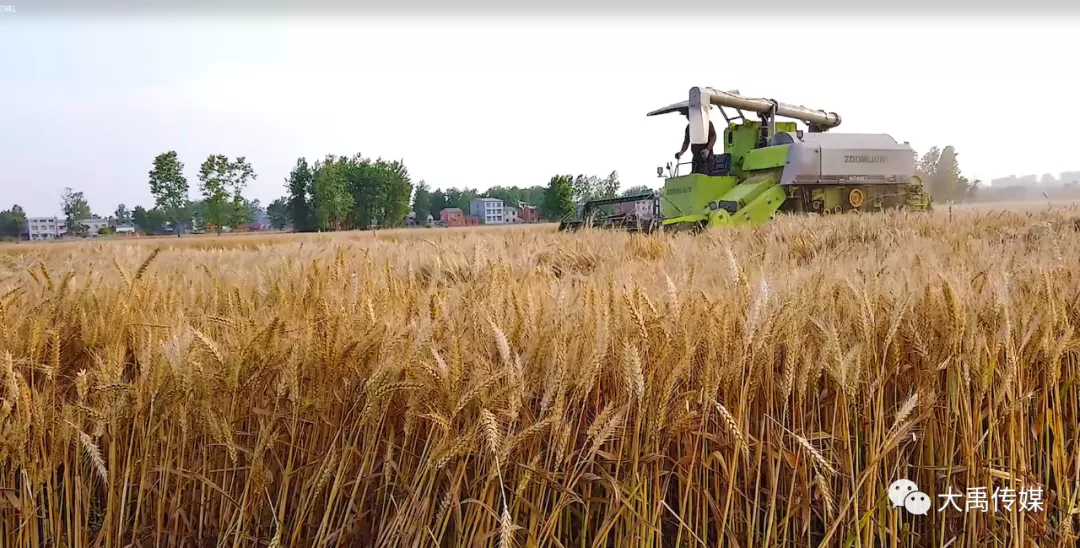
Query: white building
{"points": [[510, 214], [94, 224], [45, 228], [53, 228], [490, 211]]}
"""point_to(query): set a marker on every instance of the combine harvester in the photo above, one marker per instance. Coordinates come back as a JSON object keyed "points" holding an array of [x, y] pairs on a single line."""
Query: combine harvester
{"points": [[767, 167]]}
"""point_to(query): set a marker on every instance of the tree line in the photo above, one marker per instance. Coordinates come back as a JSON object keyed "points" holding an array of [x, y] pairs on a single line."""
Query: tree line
{"points": [[332, 193]]}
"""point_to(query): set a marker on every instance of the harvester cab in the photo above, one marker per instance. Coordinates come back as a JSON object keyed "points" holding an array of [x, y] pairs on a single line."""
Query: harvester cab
{"points": [[769, 166]]}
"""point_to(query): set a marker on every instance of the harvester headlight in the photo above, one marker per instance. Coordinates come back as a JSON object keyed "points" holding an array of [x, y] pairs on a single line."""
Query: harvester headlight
{"points": [[714, 205]]}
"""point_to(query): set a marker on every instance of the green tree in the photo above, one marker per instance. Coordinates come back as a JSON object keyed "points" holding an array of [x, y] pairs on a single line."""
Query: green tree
{"points": [[558, 198], [122, 215], [330, 197], [195, 213], [636, 190], [222, 183], [609, 186], [213, 184], [249, 211], [242, 212], [76, 209], [422, 202], [299, 191], [169, 188], [591, 187], [138, 218], [380, 189], [12, 223], [278, 211], [460, 198], [438, 202], [150, 221]]}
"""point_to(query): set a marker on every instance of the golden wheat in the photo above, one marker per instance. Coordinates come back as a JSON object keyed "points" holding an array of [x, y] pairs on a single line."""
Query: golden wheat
{"points": [[521, 387]]}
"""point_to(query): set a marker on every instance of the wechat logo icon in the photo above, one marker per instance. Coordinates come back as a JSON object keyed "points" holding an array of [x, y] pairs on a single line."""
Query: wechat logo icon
{"points": [[905, 493]]}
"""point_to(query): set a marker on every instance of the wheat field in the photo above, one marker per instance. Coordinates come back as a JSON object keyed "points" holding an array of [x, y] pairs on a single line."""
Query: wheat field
{"points": [[522, 387]]}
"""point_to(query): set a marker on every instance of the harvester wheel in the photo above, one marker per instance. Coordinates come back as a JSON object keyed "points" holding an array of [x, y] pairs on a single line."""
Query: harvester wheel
{"points": [[856, 197]]}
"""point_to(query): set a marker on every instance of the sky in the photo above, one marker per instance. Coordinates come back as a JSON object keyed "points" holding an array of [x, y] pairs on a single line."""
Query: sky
{"points": [[475, 101]]}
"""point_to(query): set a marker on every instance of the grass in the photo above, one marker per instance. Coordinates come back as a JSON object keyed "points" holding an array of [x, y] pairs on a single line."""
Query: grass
{"points": [[525, 387]]}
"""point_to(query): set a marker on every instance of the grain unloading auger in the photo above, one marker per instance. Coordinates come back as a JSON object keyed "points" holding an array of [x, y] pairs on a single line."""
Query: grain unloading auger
{"points": [[768, 166]]}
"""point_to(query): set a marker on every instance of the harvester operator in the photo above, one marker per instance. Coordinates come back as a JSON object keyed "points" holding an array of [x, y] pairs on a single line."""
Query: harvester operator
{"points": [[703, 154]]}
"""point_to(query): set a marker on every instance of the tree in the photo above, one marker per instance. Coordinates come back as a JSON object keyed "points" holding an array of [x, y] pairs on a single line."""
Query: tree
{"points": [[240, 172], [278, 211], [967, 189], [946, 176], [169, 187], [138, 218], [926, 166], [438, 203], [558, 198], [635, 190], [12, 223], [1047, 179], [195, 213], [248, 211], [380, 191], [609, 186], [331, 200], [459, 198], [221, 183], [299, 203], [122, 215], [151, 221], [422, 202], [591, 187], [213, 176], [76, 209]]}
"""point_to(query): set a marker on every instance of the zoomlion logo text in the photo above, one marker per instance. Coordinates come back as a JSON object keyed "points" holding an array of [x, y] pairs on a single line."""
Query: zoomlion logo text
{"points": [[865, 159], [682, 190]]}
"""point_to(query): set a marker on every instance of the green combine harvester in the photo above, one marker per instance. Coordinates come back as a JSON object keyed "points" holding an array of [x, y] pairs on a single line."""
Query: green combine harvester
{"points": [[767, 167]]}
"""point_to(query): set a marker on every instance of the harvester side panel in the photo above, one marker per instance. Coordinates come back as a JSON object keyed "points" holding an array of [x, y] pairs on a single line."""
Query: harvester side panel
{"points": [[766, 158], [691, 194], [860, 158], [804, 161]]}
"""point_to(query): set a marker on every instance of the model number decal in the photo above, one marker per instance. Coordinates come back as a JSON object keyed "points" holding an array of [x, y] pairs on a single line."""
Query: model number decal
{"points": [[865, 159]]}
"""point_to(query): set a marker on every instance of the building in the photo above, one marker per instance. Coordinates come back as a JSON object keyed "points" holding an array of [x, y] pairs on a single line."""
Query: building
{"points": [[452, 216], [528, 213], [54, 228], [94, 225], [490, 211], [124, 229], [45, 228], [510, 215]]}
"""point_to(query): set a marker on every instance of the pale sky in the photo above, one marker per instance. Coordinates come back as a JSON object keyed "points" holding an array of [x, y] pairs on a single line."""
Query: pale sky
{"points": [[479, 102]]}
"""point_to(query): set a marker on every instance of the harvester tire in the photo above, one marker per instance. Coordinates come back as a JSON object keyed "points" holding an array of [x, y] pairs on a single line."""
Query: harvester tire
{"points": [[856, 198]]}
